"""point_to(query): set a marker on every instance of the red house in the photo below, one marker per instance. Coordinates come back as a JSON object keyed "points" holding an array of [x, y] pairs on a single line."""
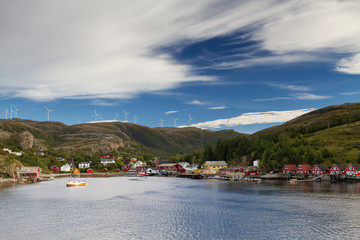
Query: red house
{"points": [[353, 170], [117, 170], [320, 169], [303, 169], [89, 171], [125, 169], [289, 169], [54, 169], [337, 169], [253, 173], [105, 170], [169, 166], [228, 170]]}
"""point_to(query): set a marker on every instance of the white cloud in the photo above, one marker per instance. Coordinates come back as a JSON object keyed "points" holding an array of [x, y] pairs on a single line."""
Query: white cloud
{"points": [[171, 112], [295, 96], [349, 93], [99, 102], [292, 87], [349, 65], [196, 102], [77, 49], [217, 108], [255, 118]]}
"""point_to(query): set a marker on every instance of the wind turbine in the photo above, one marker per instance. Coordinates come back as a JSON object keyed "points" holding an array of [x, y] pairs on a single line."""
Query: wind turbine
{"points": [[161, 122], [175, 119], [16, 109], [135, 119], [48, 112], [190, 119], [96, 115], [117, 116], [11, 112], [6, 113], [125, 116]]}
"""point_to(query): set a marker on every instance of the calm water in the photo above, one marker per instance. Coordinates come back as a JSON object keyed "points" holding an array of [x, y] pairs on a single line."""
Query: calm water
{"points": [[171, 208]]}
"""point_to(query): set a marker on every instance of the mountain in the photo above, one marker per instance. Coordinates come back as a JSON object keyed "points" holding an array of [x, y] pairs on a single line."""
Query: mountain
{"points": [[105, 137]]}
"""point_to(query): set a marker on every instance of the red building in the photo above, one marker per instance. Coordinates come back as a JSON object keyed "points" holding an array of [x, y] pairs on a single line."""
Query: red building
{"points": [[231, 170], [117, 170], [169, 166], [353, 170], [125, 169], [289, 169], [337, 169], [89, 171], [105, 170], [33, 172], [303, 169], [54, 169], [320, 169]]}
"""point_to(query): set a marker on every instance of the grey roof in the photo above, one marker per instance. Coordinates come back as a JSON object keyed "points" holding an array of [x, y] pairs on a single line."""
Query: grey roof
{"points": [[216, 163], [322, 167], [340, 166], [356, 166]]}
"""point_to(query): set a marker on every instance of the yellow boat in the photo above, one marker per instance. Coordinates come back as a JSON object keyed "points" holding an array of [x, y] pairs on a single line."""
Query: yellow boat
{"points": [[73, 183]]}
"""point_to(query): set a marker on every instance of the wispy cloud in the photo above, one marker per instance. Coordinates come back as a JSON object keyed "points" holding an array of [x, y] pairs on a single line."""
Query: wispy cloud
{"points": [[254, 118], [111, 49], [350, 93], [217, 108], [292, 87], [171, 112], [196, 102], [295, 96], [99, 102]]}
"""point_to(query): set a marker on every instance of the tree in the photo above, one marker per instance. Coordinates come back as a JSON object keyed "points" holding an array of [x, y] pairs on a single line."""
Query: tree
{"points": [[208, 153]]}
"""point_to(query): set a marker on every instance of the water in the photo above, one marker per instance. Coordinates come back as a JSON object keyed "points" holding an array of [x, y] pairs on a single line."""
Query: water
{"points": [[172, 208]]}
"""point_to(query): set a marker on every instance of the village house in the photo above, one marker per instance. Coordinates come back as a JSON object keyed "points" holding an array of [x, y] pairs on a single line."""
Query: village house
{"points": [[213, 166], [320, 169], [169, 167], [192, 167], [184, 164], [337, 169], [84, 164], [252, 171], [231, 170], [54, 169], [152, 171], [106, 161], [289, 169], [353, 170], [303, 169], [68, 167]]}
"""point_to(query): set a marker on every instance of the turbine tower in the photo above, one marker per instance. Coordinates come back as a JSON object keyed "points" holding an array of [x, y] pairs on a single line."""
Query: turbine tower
{"points": [[135, 119], [15, 111], [125, 116], [96, 115], [6, 113], [175, 119], [190, 119], [11, 112], [116, 116], [48, 112], [161, 122]]}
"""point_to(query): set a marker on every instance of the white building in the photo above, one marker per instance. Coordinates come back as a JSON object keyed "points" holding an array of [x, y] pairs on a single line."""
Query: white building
{"points": [[192, 167], [184, 164], [67, 167], [84, 164], [152, 170], [106, 161]]}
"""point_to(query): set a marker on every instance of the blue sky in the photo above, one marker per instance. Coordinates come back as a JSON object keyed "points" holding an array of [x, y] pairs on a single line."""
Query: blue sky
{"points": [[244, 65]]}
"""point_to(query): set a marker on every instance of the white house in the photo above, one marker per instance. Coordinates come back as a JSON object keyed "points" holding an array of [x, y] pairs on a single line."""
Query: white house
{"points": [[67, 167], [184, 164], [84, 164], [152, 170], [192, 167], [106, 161], [138, 164]]}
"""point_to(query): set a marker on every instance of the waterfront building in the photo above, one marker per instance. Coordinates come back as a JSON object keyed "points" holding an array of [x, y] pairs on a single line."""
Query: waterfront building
{"points": [[337, 169], [289, 169], [353, 170], [213, 166], [106, 161], [32, 172], [169, 167], [184, 164], [192, 167], [303, 169], [105, 170], [89, 170], [320, 169], [152, 171]]}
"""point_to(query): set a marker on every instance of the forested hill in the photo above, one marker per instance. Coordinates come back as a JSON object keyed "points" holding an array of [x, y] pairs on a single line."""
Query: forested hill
{"points": [[328, 135]]}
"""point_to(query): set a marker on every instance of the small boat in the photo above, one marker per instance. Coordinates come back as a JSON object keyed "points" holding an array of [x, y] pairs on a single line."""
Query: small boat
{"points": [[73, 183]]}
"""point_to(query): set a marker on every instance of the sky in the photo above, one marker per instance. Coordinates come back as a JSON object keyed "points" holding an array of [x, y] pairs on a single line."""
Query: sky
{"points": [[212, 64]]}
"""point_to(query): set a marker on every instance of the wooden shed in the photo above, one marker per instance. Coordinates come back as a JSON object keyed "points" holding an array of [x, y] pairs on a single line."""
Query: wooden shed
{"points": [[320, 169], [289, 169], [337, 169]]}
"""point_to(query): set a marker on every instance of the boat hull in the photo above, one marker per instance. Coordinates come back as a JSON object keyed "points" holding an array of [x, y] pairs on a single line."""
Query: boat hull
{"points": [[76, 184]]}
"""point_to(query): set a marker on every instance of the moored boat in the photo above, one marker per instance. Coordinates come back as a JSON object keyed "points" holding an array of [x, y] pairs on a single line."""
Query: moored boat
{"points": [[73, 183]]}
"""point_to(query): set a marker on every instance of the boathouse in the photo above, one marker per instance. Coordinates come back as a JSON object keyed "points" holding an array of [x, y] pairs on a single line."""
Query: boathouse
{"points": [[353, 170], [89, 170], [30, 172], [231, 170], [337, 169], [320, 169], [289, 169], [169, 167], [303, 169], [105, 170]]}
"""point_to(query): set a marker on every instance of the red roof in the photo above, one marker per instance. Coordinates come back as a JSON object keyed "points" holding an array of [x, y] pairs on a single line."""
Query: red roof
{"points": [[305, 167], [291, 167]]}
